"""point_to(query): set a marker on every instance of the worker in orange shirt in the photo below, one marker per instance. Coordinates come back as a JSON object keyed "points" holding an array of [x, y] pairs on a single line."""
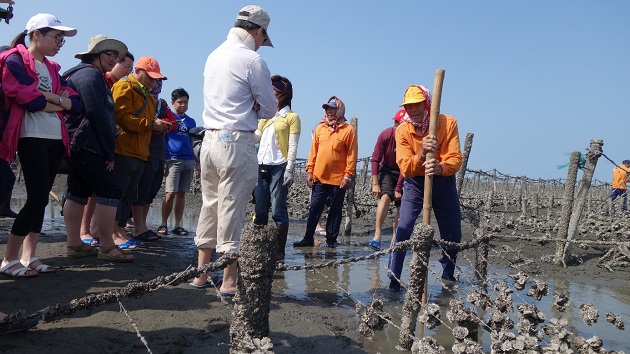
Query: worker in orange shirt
{"points": [[621, 175], [413, 142], [331, 166]]}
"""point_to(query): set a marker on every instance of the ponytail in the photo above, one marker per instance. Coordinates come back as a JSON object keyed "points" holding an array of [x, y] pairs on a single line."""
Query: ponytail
{"points": [[19, 39]]}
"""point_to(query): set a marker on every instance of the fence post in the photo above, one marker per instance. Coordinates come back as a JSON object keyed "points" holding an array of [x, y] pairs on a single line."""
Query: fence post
{"points": [[595, 151], [256, 264], [462, 171], [567, 206], [347, 230], [422, 239]]}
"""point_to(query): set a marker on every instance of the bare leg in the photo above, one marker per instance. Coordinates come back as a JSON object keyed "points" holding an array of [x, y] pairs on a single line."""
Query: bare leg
{"points": [[73, 218], [167, 207], [139, 220], [86, 220], [230, 275], [180, 202], [203, 258], [381, 212]]}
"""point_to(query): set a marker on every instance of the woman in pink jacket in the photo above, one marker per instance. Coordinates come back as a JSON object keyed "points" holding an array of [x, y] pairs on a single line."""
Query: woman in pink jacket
{"points": [[34, 98]]}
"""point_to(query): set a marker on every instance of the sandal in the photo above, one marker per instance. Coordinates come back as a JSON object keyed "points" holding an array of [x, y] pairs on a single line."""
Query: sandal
{"points": [[17, 273], [162, 230], [81, 251], [320, 232], [146, 236], [122, 257], [42, 268], [130, 245], [93, 242], [376, 245], [180, 231]]}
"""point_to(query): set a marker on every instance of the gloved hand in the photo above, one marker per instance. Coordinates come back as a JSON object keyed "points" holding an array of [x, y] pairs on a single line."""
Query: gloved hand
{"points": [[288, 179]]}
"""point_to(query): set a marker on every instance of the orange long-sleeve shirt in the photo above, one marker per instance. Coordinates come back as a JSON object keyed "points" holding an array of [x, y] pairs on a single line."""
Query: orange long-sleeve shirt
{"points": [[409, 147], [620, 177], [333, 155]]}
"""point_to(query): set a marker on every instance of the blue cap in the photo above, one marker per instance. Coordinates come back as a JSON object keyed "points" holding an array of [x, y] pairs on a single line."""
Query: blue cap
{"points": [[332, 104], [625, 162]]}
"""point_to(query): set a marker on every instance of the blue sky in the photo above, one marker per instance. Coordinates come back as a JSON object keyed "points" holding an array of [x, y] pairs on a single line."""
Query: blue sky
{"points": [[532, 80]]}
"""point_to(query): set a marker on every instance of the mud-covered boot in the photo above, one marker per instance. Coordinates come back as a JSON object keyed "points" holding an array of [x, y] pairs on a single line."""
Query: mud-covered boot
{"points": [[282, 242]]}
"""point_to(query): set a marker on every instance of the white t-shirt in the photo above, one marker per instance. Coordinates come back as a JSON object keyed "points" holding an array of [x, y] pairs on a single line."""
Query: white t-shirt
{"points": [[269, 152], [41, 124]]}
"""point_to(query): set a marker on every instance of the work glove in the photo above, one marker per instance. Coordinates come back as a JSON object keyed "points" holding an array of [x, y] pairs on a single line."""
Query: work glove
{"points": [[288, 179]]}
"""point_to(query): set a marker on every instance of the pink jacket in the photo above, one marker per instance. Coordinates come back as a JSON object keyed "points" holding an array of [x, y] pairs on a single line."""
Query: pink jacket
{"points": [[19, 94]]}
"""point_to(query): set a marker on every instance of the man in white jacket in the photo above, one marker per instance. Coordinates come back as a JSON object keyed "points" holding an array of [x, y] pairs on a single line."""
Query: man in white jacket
{"points": [[237, 93]]}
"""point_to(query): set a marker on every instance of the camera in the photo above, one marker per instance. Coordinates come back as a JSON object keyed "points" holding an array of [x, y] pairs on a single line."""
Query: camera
{"points": [[264, 173], [6, 14]]}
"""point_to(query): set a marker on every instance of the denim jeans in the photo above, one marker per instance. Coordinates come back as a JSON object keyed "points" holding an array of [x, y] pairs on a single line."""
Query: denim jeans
{"points": [[270, 192]]}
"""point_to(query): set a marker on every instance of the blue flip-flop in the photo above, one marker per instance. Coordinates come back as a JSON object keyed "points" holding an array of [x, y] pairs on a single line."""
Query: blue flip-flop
{"points": [[90, 241], [134, 242], [130, 245], [226, 294], [376, 245], [216, 281]]}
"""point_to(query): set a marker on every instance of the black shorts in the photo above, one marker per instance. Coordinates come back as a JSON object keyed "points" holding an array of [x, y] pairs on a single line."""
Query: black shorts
{"points": [[88, 175], [388, 180]]}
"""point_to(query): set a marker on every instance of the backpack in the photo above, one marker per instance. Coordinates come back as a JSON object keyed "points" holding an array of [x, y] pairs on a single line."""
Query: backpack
{"points": [[196, 135]]}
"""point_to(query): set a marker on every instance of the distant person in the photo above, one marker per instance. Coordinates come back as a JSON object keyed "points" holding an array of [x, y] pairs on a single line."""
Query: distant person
{"points": [[122, 68], [92, 153], [228, 152], [180, 164], [135, 113], [386, 178], [35, 101], [279, 138], [331, 166], [621, 175], [413, 142]]}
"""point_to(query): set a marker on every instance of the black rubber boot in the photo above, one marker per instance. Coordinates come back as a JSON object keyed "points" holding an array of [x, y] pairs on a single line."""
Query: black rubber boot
{"points": [[282, 242]]}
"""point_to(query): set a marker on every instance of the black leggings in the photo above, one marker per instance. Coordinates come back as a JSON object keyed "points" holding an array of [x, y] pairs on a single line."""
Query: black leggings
{"points": [[40, 159]]}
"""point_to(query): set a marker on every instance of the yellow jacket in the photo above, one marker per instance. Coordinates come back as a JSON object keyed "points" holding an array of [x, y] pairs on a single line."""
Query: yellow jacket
{"points": [[283, 127], [137, 131], [409, 146]]}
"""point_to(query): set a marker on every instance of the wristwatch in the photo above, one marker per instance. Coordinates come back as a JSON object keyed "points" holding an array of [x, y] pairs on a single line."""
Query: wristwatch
{"points": [[60, 100]]}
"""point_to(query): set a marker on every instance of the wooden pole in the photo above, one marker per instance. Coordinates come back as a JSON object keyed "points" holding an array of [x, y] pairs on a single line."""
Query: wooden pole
{"points": [[347, 229], [428, 180]]}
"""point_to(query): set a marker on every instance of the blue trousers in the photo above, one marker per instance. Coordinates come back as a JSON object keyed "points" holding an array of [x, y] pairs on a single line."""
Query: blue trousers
{"points": [[447, 214], [617, 192], [320, 195], [270, 191]]}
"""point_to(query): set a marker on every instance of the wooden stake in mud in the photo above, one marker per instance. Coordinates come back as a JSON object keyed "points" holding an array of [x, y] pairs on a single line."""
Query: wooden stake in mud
{"points": [[422, 239], [428, 180]]}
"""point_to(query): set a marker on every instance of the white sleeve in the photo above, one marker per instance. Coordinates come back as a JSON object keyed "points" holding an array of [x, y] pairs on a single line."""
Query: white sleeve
{"points": [[293, 144]]}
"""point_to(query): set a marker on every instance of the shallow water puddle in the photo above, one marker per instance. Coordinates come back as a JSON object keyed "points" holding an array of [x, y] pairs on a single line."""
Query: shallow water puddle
{"points": [[366, 279]]}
